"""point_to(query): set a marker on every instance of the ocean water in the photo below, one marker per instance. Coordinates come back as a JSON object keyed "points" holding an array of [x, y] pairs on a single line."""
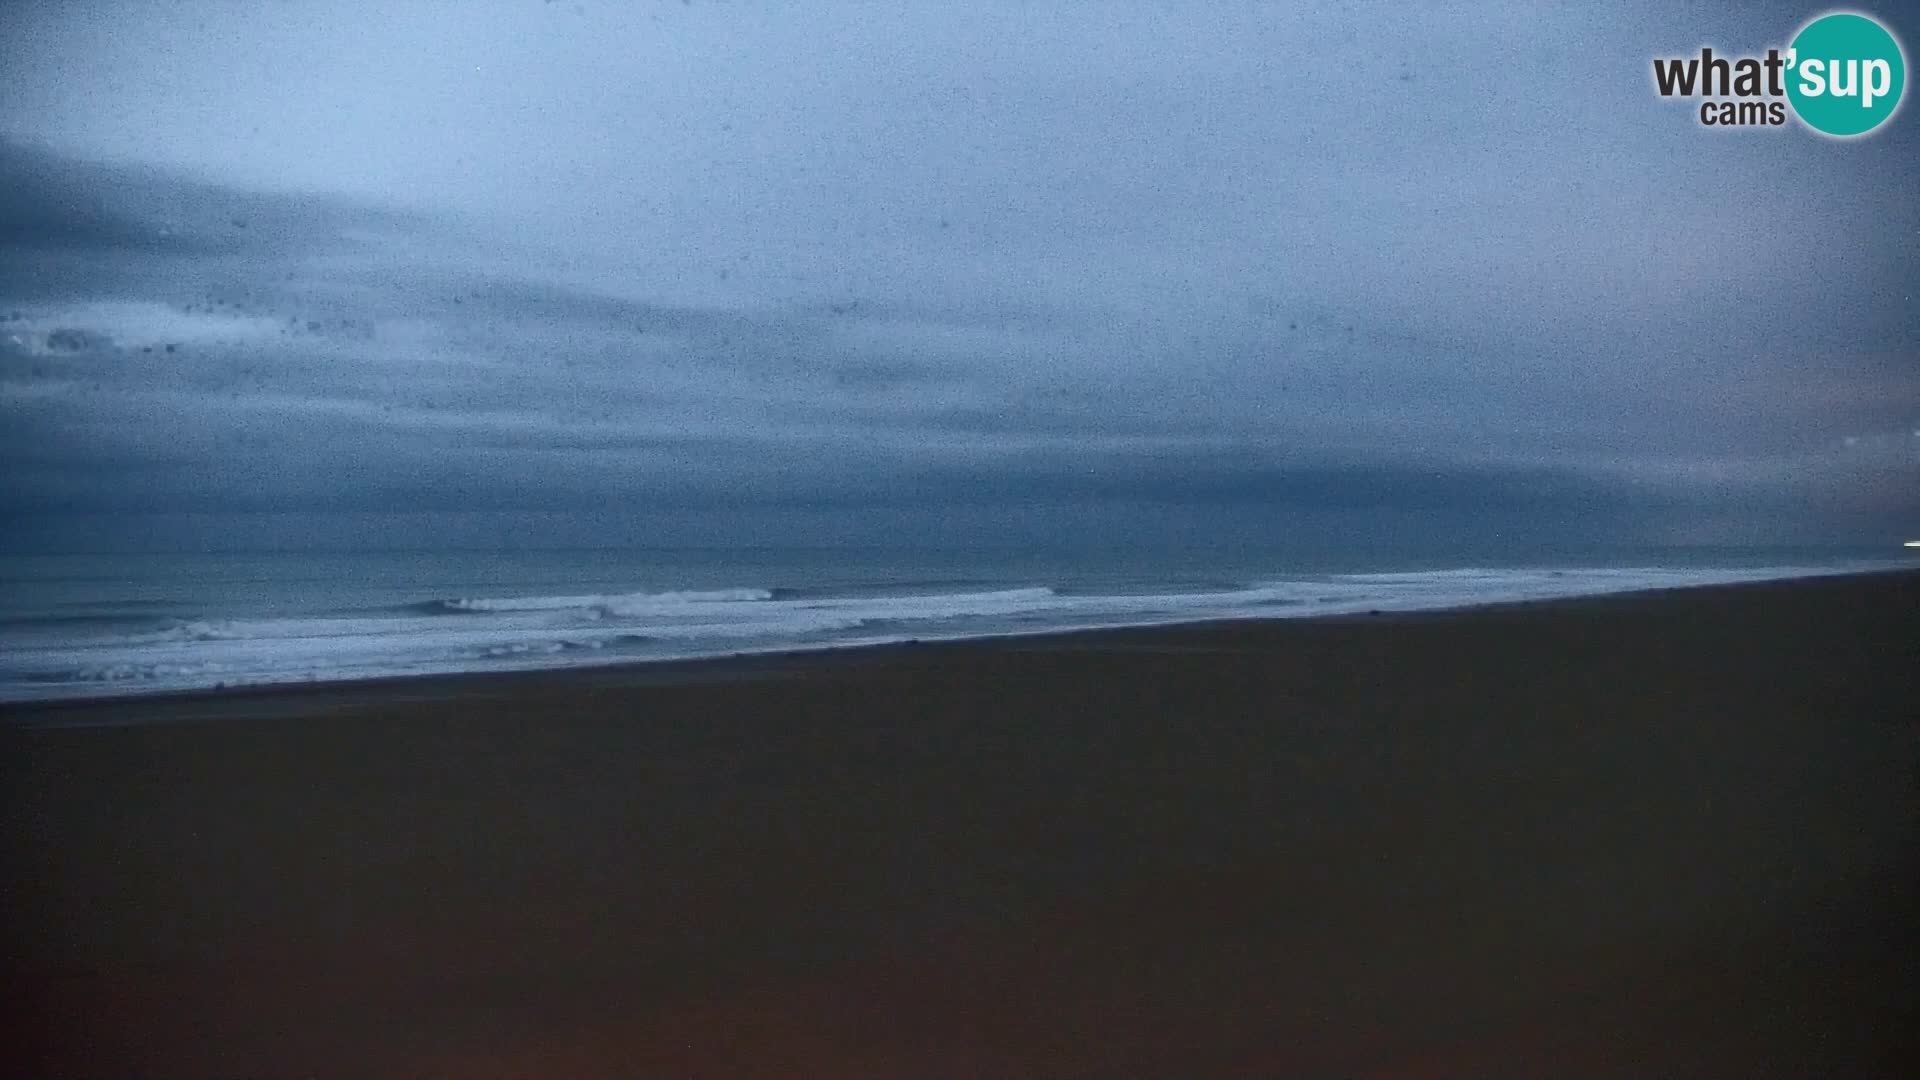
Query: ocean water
{"points": [[95, 625]]}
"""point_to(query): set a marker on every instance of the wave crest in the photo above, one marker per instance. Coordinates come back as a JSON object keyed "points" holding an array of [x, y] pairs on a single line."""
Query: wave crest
{"points": [[614, 604]]}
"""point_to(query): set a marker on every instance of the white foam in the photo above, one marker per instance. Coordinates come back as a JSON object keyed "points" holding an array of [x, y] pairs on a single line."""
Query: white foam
{"points": [[622, 604], [503, 633]]}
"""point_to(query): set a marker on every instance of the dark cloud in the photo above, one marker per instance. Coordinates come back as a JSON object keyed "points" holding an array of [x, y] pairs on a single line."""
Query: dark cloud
{"points": [[54, 204], [1026, 265]]}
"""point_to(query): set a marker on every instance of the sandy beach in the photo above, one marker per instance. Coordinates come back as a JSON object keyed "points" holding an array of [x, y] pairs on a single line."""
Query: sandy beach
{"points": [[1668, 834]]}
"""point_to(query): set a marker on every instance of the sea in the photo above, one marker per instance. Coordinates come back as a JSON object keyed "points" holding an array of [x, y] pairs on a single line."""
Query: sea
{"points": [[81, 625]]}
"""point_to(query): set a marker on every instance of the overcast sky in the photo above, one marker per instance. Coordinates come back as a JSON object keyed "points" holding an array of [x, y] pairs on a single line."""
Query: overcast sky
{"points": [[735, 269]]}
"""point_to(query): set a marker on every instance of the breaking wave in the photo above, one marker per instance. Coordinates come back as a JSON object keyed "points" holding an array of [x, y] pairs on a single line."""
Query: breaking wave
{"points": [[88, 657], [628, 603]]}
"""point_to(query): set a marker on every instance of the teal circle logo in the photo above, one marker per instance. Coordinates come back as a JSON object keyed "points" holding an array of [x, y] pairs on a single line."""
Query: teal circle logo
{"points": [[1845, 74]]}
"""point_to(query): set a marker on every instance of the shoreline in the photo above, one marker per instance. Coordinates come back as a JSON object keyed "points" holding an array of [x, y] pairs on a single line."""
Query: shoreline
{"points": [[1667, 833], [745, 663]]}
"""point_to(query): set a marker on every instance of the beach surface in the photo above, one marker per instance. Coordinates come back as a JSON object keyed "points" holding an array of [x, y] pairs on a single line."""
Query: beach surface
{"points": [[1668, 834]]}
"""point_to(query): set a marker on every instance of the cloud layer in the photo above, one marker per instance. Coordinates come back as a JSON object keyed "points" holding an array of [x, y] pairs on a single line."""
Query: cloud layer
{"points": [[728, 267]]}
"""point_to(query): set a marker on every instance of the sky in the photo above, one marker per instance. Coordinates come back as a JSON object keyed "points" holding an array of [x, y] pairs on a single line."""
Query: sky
{"points": [[756, 273]]}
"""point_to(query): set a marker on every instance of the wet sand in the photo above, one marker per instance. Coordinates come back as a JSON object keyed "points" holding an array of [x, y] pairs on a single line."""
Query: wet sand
{"points": [[1670, 833]]}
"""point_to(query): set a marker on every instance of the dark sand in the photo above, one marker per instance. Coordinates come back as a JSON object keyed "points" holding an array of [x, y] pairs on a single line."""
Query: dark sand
{"points": [[1671, 834]]}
